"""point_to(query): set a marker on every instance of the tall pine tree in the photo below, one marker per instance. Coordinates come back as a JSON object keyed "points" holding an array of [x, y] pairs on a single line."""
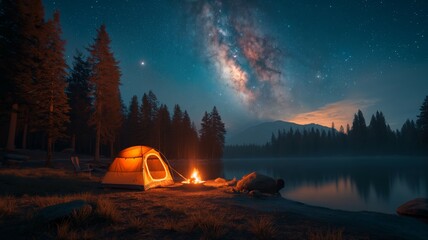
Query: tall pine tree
{"points": [[51, 106], [78, 92], [133, 122], [422, 122], [22, 34], [105, 78], [212, 135]]}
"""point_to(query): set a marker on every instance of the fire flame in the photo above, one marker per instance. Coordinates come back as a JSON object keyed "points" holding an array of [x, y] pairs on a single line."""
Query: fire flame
{"points": [[195, 178]]}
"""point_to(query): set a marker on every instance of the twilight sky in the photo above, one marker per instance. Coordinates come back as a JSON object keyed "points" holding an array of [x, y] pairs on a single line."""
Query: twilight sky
{"points": [[301, 61]]}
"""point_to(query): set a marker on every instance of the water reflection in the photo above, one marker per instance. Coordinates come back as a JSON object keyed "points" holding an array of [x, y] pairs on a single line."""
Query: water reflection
{"points": [[371, 184]]}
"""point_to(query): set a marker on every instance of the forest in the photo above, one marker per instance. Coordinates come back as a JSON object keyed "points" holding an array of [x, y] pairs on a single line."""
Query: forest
{"points": [[45, 104], [376, 138]]}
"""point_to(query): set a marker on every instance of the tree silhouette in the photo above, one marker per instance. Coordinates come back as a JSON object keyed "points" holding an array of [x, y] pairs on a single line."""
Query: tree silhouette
{"points": [[358, 132], [162, 130], [177, 132], [422, 121], [212, 135], [148, 111], [78, 92], [22, 37], [133, 123], [49, 89], [105, 78]]}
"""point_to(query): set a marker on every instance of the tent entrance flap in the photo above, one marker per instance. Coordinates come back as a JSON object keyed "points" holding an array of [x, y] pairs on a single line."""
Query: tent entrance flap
{"points": [[155, 167]]}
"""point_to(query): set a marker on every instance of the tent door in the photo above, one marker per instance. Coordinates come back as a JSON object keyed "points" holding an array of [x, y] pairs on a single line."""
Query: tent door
{"points": [[156, 168]]}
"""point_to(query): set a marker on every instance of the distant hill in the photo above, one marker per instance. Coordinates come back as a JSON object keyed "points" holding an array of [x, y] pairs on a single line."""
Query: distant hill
{"points": [[261, 133]]}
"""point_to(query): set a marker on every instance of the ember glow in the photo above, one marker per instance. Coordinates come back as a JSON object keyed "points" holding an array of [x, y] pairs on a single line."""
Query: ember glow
{"points": [[195, 178]]}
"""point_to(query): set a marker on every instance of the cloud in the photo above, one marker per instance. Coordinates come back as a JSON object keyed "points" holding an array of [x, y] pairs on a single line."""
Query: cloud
{"points": [[341, 113]]}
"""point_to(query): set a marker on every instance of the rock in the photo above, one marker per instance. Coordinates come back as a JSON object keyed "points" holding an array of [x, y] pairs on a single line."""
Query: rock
{"points": [[417, 208], [232, 182], [62, 210], [257, 181], [256, 194], [220, 180]]}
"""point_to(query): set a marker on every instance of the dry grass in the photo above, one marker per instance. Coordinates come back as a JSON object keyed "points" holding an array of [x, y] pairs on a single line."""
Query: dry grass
{"points": [[263, 228], [18, 182], [212, 227], [45, 201], [7, 206], [107, 210], [136, 223], [64, 231], [330, 234]]}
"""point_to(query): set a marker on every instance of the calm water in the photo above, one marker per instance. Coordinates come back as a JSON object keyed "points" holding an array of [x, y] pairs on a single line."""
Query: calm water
{"points": [[354, 184]]}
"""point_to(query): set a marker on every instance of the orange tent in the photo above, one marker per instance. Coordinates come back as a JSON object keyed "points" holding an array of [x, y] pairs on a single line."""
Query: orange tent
{"points": [[138, 167]]}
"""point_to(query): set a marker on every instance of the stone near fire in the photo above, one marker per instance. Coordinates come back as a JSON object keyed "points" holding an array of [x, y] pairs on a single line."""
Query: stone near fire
{"points": [[417, 208]]}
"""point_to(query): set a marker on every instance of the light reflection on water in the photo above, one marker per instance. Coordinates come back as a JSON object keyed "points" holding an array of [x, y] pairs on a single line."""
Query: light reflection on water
{"points": [[354, 184]]}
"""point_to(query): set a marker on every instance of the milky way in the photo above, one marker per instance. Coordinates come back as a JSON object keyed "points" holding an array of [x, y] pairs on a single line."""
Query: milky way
{"points": [[247, 59]]}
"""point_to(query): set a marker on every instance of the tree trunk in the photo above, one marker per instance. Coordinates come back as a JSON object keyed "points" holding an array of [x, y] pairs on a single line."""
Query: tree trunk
{"points": [[49, 152], [25, 132], [97, 142], [12, 128]]}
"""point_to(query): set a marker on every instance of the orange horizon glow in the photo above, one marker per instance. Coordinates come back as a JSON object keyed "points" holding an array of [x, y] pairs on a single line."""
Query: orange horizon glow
{"points": [[340, 113]]}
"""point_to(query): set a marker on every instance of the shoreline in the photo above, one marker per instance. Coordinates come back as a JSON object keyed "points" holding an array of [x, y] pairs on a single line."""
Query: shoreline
{"points": [[186, 212]]}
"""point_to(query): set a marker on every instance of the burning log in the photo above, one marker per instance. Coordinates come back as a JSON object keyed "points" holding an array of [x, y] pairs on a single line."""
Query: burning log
{"points": [[194, 178]]}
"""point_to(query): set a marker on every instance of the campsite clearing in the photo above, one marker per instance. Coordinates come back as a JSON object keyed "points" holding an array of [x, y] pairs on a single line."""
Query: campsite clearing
{"points": [[176, 212]]}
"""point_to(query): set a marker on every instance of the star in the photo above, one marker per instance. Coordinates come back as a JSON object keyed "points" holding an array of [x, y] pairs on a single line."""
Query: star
{"points": [[142, 63]]}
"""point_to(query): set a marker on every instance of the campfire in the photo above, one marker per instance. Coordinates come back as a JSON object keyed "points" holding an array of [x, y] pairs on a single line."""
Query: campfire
{"points": [[194, 178]]}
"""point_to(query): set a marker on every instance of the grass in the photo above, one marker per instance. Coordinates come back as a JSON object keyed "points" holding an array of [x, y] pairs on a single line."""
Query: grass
{"points": [[263, 228], [129, 214], [44, 201], [136, 223], [107, 210], [330, 234], [7, 206], [211, 226]]}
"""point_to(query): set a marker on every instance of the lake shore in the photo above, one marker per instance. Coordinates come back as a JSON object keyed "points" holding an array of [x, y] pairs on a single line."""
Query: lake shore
{"points": [[180, 212]]}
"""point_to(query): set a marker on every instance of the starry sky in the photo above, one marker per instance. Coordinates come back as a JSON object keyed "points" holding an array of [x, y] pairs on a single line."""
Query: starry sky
{"points": [[301, 61]]}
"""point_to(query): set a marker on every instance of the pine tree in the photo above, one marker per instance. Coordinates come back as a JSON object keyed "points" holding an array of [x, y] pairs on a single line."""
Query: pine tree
{"points": [[408, 137], [78, 92], [358, 133], [133, 122], [422, 121], [162, 129], [105, 78], [21, 42], [190, 137], [49, 87], [148, 110], [212, 135], [177, 130]]}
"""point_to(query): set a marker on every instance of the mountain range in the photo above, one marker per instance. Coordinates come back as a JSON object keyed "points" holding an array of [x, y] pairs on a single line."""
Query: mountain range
{"points": [[261, 133]]}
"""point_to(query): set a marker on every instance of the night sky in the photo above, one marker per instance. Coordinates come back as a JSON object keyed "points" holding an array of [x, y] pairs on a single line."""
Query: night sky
{"points": [[301, 61]]}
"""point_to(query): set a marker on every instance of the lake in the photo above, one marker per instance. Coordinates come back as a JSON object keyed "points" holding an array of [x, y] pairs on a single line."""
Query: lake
{"points": [[378, 184]]}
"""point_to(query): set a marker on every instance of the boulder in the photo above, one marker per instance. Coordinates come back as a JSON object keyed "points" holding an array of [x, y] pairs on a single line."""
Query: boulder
{"points": [[257, 181], [62, 210], [417, 208]]}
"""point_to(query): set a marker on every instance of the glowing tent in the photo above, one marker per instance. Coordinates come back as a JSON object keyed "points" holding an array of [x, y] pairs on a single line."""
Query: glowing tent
{"points": [[138, 167]]}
